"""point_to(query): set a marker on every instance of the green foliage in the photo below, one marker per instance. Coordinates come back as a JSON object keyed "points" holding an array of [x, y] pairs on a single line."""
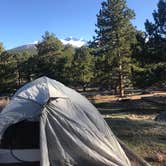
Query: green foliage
{"points": [[150, 75], [50, 58], [115, 34], [13, 70], [156, 34], [1, 48], [82, 67], [23, 67], [7, 72], [68, 58], [23, 50], [119, 57], [49, 45], [150, 51], [158, 28]]}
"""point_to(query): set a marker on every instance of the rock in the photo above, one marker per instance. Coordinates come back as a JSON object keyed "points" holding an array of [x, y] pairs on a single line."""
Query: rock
{"points": [[159, 157]]}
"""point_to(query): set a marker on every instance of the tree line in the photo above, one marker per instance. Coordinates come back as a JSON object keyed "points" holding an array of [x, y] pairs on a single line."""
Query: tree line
{"points": [[118, 57]]}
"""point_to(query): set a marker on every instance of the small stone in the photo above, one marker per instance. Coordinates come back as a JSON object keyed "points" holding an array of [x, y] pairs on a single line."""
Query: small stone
{"points": [[159, 157]]}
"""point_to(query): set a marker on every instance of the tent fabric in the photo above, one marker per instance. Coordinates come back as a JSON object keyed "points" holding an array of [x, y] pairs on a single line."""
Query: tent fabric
{"points": [[72, 132], [18, 110]]}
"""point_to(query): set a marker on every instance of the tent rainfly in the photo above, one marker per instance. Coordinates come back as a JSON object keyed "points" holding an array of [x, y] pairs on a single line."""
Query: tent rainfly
{"points": [[72, 131]]}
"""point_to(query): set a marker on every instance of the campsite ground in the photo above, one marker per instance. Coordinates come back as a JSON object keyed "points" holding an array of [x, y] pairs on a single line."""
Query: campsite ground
{"points": [[132, 120]]}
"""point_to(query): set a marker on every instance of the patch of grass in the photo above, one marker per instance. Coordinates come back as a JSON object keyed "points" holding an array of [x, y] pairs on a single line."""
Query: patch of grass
{"points": [[145, 138], [133, 123]]}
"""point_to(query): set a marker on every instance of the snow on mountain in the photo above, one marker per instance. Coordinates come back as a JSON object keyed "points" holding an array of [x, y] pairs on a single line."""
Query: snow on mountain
{"points": [[73, 41], [70, 40]]}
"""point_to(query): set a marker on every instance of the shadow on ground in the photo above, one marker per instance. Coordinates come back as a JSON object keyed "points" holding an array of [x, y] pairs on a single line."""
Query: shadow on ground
{"points": [[146, 105], [145, 138], [132, 121]]}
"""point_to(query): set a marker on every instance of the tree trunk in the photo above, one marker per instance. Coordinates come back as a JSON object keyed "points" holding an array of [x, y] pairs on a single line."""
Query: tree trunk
{"points": [[18, 77], [84, 88], [121, 87], [116, 90], [120, 76]]}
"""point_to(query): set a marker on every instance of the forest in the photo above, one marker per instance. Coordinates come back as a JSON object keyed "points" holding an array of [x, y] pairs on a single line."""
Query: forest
{"points": [[119, 57]]}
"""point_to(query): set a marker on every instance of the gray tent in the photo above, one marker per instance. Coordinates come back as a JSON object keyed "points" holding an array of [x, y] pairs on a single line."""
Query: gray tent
{"points": [[72, 132]]}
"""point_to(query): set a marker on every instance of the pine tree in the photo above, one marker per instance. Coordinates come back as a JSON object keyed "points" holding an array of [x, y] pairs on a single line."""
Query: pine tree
{"points": [[115, 34], [156, 45], [82, 67], [149, 52], [8, 75], [49, 45], [50, 58], [68, 53], [156, 34]]}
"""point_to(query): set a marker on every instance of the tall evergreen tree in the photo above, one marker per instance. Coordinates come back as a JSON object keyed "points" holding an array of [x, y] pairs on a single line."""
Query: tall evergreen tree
{"points": [[82, 67], [68, 56], [49, 45], [50, 58], [156, 34], [115, 34], [156, 46], [8, 75], [158, 28], [23, 69], [149, 51]]}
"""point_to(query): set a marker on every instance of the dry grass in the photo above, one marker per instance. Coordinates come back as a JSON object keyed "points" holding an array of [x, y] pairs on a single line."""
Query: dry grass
{"points": [[132, 120], [145, 138], [109, 98]]}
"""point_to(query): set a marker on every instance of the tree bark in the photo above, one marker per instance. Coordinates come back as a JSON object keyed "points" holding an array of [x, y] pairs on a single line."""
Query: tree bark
{"points": [[84, 88], [120, 76], [121, 87]]}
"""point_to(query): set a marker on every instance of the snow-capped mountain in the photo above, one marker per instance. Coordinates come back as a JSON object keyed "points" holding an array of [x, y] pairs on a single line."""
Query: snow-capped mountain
{"points": [[74, 42], [70, 40]]}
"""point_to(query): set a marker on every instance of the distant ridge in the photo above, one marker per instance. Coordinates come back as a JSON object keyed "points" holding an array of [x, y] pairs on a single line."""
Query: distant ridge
{"points": [[76, 43], [31, 48], [27, 46]]}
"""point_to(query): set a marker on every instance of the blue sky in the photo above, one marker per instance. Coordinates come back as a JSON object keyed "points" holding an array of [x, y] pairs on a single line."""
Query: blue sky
{"points": [[25, 21]]}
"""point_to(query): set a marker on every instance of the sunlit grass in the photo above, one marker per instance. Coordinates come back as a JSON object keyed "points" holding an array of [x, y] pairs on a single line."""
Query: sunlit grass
{"points": [[136, 127]]}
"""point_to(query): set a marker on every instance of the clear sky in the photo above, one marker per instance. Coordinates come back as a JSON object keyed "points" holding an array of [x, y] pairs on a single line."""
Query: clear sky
{"points": [[25, 21]]}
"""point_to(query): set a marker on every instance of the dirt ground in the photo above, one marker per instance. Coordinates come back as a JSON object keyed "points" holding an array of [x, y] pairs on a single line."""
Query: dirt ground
{"points": [[132, 120], [110, 98]]}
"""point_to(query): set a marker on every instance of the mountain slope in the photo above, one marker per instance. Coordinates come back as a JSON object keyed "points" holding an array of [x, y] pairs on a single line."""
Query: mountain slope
{"points": [[76, 43], [24, 48]]}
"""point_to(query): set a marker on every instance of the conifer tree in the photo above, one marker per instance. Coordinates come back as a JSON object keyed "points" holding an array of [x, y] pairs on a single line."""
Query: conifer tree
{"points": [[150, 51], [50, 58], [82, 67], [156, 45], [68, 53], [115, 34], [8, 76], [156, 34]]}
